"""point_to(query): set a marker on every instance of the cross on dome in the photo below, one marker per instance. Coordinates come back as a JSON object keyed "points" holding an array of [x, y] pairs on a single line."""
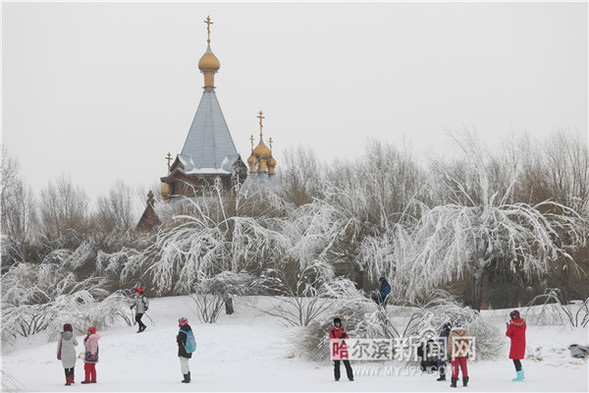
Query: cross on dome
{"points": [[209, 23]]}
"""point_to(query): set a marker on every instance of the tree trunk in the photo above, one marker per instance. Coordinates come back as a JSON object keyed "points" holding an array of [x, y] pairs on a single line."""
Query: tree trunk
{"points": [[359, 277], [478, 289], [229, 305]]}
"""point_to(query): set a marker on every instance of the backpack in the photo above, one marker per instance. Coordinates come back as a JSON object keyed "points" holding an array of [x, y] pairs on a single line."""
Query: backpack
{"points": [[190, 345], [145, 302]]}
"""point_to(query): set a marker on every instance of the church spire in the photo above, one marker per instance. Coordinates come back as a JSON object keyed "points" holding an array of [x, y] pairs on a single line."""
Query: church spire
{"points": [[208, 63]]}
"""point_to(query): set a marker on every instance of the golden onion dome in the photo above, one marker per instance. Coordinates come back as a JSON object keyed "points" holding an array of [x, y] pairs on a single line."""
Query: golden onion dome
{"points": [[271, 162], [251, 159], [262, 151], [208, 61], [165, 190]]}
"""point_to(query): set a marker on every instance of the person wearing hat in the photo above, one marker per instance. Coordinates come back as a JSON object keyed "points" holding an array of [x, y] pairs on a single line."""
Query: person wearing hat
{"points": [[381, 296], [337, 332], [516, 331], [457, 351], [67, 353], [91, 355], [442, 342], [183, 355], [140, 305]]}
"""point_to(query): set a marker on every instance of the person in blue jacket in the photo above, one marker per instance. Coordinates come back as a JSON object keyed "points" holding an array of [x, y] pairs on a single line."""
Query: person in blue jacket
{"points": [[381, 296]]}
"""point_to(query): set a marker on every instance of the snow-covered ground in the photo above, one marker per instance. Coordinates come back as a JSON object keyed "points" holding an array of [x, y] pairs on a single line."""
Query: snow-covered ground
{"points": [[250, 351]]}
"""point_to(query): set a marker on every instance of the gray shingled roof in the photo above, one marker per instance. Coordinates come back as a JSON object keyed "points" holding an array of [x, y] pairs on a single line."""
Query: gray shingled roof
{"points": [[209, 143]]}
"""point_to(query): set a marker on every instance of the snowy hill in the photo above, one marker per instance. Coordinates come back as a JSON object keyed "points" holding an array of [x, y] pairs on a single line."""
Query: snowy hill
{"points": [[251, 351]]}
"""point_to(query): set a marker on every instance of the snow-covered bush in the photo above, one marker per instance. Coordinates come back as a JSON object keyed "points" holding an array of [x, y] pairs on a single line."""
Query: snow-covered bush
{"points": [[81, 309], [212, 294], [548, 309], [36, 297], [315, 292], [435, 314]]}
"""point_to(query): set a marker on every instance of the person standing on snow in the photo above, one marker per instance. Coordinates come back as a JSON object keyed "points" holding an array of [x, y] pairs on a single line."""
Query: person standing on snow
{"points": [[442, 343], [183, 355], [457, 352], [141, 304], [91, 355], [67, 353], [516, 331], [337, 332], [381, 296]]}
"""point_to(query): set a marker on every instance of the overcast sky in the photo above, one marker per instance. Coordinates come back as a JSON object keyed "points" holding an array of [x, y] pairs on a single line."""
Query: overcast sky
{"points": [[103, 91]]}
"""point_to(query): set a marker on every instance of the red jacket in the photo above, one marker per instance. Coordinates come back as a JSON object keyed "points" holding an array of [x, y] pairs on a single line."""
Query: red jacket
{"points": [[335, 333], [517, 332]]}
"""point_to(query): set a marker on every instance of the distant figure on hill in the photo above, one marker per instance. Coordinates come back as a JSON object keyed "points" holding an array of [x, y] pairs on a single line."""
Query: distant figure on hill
{"points": [[516, 331], [67, 353], [381, 295], [141, 304]]}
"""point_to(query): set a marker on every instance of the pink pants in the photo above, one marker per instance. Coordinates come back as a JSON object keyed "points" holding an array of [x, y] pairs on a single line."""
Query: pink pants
{"points": [[462, 362]]}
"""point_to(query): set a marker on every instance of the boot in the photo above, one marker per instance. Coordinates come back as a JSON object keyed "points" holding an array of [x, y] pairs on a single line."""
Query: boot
{"points": [[454, 380], [67, 381], [186, 378], [72, 379], [464, 381], [520, 376], [442, 377]]}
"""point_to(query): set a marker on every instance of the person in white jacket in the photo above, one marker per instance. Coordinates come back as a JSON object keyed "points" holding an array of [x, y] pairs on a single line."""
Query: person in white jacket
{"points": [[67, 353], [140, 304]]}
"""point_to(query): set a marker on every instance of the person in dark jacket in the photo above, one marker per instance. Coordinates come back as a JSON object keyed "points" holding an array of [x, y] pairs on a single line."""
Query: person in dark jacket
{"points": [[516, 331], [140, 304], [337, 332], [182, 354], [381, 296], [442, 342]]}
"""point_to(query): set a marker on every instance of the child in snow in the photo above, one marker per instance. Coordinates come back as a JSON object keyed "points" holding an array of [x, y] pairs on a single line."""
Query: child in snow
{"points": [[516, 331], [140, 301], [381, 296], [183, 355], [457, 351], [337, 332], [443, 342], [67, 353], [91, 355]]}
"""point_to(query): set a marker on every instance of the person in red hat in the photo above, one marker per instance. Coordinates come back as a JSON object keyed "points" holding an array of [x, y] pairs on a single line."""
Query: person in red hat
{"points": [[516, 331], [67, 353], [91, 355], [183, 353], [140, 304]]}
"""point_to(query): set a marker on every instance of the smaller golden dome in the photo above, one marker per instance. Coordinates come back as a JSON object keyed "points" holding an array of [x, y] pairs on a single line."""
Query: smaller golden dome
{"points": [[262, 151], [208, 61], [271, 162], [251, 159], [165, 190]]}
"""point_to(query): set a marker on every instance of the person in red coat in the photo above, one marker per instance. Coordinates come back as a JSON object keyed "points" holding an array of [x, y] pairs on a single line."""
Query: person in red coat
{"points": [[516, 331], [337, 332]]}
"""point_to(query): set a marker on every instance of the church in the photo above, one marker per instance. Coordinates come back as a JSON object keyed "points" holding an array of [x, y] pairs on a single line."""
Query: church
{"points": [[209, 153]]}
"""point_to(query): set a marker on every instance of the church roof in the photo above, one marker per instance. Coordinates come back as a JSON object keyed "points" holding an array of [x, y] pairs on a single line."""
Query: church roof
{"points": [[209, 144]]}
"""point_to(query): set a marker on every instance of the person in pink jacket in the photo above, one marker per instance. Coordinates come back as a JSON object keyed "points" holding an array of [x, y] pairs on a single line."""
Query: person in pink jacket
{"points": [[91, 355]]}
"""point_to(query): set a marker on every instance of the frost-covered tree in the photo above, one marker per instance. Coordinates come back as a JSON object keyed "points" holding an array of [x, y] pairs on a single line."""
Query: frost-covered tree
{"points": [[482, 229], [207, 242]]}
